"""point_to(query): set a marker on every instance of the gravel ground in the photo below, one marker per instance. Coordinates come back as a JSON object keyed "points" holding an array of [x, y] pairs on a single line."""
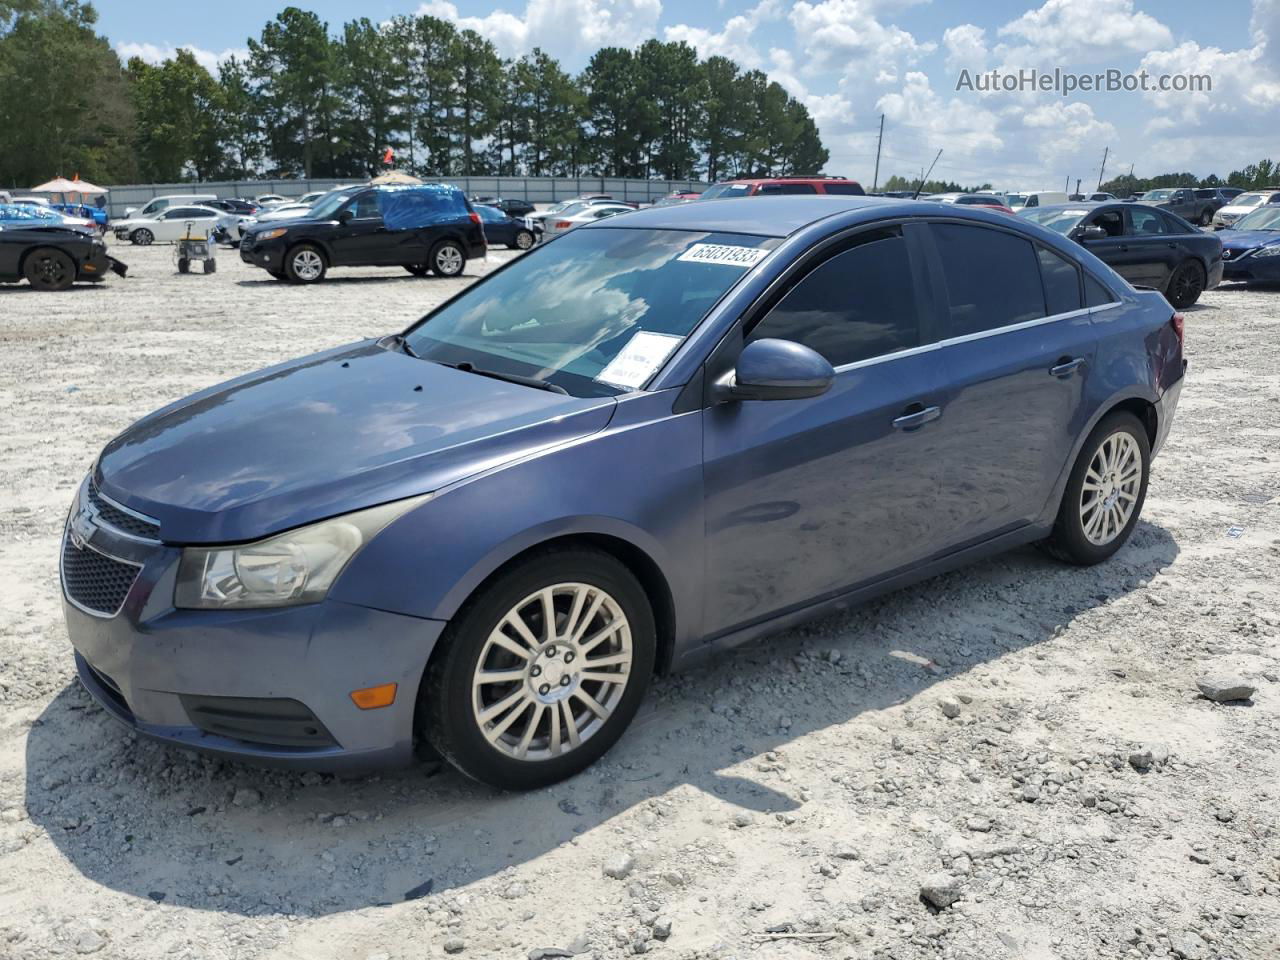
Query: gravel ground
{"points": [[1011, 762]]}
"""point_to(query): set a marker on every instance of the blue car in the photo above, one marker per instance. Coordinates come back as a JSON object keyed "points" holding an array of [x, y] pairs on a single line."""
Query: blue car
{"points": [[651, 439], [500, 227], [1251, 249]]}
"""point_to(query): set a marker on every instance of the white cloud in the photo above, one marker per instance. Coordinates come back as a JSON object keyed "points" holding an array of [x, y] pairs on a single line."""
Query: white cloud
{"points": [[733, 40], [846, 34], [564, 28], [1086, 30], [152, 53], [966, 47]]}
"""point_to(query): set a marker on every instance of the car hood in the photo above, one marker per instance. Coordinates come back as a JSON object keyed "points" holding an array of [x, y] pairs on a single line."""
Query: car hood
{"points": [[324, 435], [288, 222], [1248, 239]]}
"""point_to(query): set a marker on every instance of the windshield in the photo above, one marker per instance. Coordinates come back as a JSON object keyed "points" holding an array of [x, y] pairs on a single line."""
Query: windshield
{"points": [[22, 211], [327, 206], [726, 190], [1063, 221], [1268, 218], [596, 312], [1248, 200], [1157, 195]]}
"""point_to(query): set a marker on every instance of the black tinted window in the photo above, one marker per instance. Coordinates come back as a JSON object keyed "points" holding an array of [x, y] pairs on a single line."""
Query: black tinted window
{"points": [[366, 206], [1095, 294], [993, 278], [845, 189], [1061, 282], [787, 188], [857, 305], [1111, 221], [1146, 222], [1205, 194]]}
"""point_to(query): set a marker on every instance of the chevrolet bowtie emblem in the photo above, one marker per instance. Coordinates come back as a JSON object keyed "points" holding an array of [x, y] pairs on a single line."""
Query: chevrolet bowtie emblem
{"points": [[81, 529]]}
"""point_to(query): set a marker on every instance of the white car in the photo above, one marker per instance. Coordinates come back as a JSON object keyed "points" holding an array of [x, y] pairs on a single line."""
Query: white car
{"points": [[172, 225], [270, 200], [569, 218], [157, 205], [1243, 204]]}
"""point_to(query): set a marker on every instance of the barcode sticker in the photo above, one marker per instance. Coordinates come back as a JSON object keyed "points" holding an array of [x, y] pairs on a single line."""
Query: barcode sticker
{"points": [[723, 253]]}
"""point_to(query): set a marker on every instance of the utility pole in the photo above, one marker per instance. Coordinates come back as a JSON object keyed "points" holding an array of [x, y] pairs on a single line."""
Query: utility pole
{"points": [[1102, 169], [875, 179], [1077, 185]]}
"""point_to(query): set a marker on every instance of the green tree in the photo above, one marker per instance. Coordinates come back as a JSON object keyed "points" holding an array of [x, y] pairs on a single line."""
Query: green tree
{"points": [[293, 66], [474, 106], [615, 113], [373, 86], [427, 46], [175, 102], [720, 129], [236, 120], [64, 100], [672, 107]]}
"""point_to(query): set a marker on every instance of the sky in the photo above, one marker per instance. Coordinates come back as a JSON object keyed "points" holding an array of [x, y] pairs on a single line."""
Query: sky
{"points": [[850, 61]]}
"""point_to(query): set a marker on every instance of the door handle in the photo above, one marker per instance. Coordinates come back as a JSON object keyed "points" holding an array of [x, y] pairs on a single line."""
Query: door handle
{"points": [[1065, 367], [916, 416]]}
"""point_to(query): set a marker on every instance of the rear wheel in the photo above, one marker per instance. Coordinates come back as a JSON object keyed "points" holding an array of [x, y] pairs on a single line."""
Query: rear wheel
{"points": [[447, 259], [49, 269], [1105, 492], [142, 237], [1186, 284], [304, 264], [210, 265], [1205, 218], [541, 671]]}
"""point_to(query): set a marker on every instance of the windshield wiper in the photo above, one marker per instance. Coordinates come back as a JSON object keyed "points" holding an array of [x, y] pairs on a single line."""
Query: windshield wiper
{"points": [[402, 342], [468, 367]]}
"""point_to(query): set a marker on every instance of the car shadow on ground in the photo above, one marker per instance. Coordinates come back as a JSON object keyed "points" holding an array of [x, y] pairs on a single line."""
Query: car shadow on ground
{"points": [[385, 278], [78, 287], [152, 821]]}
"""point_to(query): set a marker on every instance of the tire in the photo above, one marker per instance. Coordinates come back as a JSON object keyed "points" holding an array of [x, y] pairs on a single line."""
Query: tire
{"points": [[49, 269], [447, 259], [1185, 284], [1205, 219], [305, 264], [1075, 538], [211, 266], [524, 240], [548, 691], [142, 237], [418, 269], [184, 265]]}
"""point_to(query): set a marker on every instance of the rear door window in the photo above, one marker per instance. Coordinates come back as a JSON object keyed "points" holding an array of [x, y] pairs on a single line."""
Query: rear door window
{"points": [[1061, 282], [844, 189], [992, 278], [856, 305], [787, 188], [1146, 223]]}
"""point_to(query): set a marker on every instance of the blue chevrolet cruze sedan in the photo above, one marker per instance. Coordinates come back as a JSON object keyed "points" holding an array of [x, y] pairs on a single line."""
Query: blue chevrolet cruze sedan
{"points": [[651, 439]]}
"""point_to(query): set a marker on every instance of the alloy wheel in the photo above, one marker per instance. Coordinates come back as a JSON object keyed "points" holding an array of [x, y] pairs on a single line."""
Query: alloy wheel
{"points": [[1110, 489], [307, 265], [143, 238], [524, 240], [449, 260], [49, 271], [552, 671]]}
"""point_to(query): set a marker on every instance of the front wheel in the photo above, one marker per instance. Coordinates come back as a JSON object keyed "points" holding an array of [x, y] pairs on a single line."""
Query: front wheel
{"points": [[1186, 284], [541, 671], [49, 269], [1105, 492], [524, 240], [184, 265], [304, 264], [447, 259], [142, 237]]}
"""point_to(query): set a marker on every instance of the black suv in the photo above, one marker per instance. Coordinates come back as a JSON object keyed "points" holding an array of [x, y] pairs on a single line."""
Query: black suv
{"points": [[424, 228]]}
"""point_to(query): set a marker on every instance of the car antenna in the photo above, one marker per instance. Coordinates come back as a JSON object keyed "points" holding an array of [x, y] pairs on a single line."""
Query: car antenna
{"points": [[921, 184]]}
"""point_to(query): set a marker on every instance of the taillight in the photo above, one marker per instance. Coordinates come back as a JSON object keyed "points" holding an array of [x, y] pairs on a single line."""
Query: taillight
{"points": [[474, 217], [1176, 322], [563, 224]]}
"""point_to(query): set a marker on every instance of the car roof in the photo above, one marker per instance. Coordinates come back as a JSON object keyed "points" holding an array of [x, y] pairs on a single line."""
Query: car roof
{"points": [[772, 216]]}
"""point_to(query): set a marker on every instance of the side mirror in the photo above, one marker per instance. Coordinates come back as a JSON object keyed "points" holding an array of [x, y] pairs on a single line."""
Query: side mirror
{"points": [[1081, 234], [776, 370], [346, 216]]}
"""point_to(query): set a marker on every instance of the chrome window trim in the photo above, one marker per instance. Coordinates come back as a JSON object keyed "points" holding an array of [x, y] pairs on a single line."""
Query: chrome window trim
{"points": [[62, 580], [969, 337], [116, 530]]}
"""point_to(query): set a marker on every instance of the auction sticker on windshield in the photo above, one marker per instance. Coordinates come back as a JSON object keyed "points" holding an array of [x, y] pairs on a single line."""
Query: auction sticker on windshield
{"points": [[723, 253], [640, 358]]}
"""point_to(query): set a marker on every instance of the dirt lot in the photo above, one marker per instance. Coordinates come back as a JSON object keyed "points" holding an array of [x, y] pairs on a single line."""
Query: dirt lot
{"points": [[1083, 802]]}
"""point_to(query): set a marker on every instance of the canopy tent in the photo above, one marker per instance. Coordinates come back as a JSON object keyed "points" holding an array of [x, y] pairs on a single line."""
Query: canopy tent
{"points": [[394, 177], [69, 188]]}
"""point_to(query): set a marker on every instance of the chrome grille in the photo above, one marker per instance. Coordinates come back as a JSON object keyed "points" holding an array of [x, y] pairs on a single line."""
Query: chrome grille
{"points": [[113, 516], [93, 581]]}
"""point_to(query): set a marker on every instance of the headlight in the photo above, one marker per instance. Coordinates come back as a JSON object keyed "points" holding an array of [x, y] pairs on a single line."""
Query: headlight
{"points": [[272, 234], [290, 568], [1271, 251]]}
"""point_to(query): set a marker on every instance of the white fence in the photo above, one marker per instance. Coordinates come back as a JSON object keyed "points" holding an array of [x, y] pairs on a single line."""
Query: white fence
{"points": [[533, 189]]}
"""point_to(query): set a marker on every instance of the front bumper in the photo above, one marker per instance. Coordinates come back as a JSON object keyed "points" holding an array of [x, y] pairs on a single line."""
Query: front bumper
{"points": [[1251, 268], [271, 686], [269, 254], [98, 264]]}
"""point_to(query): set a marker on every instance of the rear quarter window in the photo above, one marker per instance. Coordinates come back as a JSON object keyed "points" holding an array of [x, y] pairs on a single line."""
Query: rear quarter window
{"points": [[1061, 282], [1095, 294], [993, 278], [774, 188], [844, 189]]}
